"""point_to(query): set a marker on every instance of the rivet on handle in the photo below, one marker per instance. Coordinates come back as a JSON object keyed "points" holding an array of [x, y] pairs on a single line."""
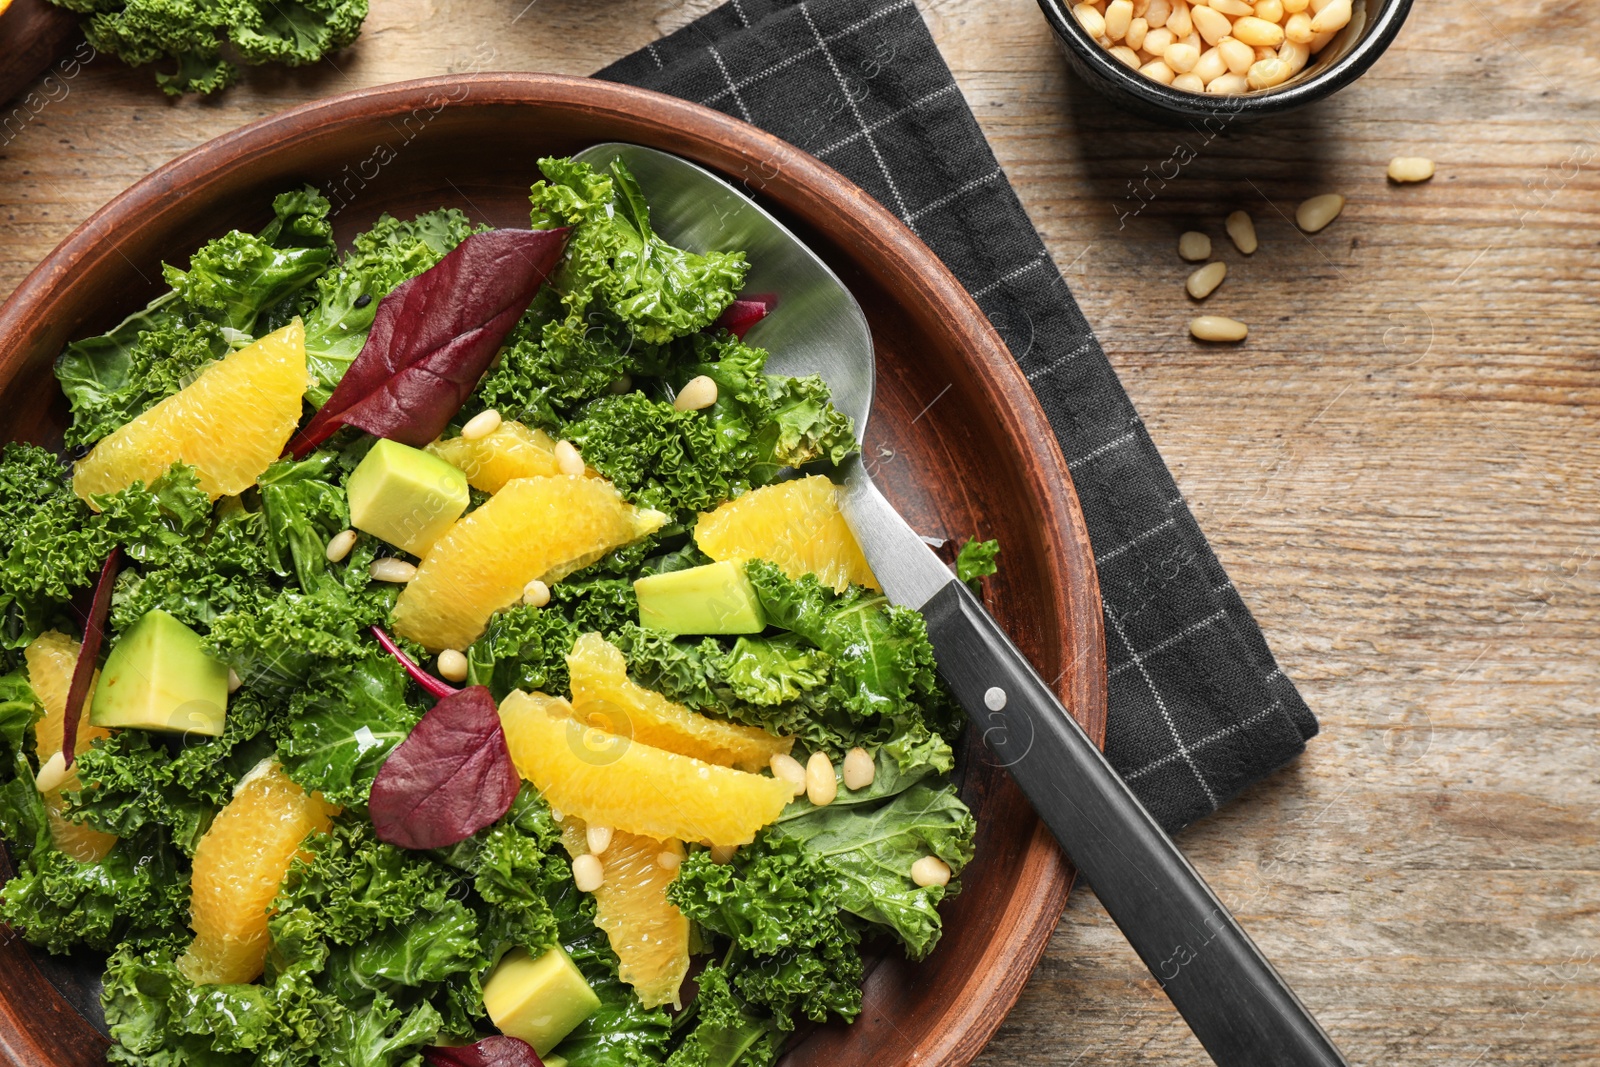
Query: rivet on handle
{"points": [[994, 698]]}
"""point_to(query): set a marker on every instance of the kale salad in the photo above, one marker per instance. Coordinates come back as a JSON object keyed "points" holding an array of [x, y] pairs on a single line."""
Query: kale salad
{"points": [[450, 650]]}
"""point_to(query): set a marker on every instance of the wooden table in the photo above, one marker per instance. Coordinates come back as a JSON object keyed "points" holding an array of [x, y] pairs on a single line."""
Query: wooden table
{"points": [[1400, 469]]}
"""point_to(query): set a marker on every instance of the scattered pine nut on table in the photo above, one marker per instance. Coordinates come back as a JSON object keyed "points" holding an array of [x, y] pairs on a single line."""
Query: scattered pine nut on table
{"points": [[1194, 246], [1242, 231], [1314, 215], [1218, 328], [1203, 282], [1404, 169], [1220, 47]]}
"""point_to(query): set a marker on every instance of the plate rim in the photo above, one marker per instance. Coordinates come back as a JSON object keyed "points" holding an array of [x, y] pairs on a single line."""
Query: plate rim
{"points": [[784, 173]]}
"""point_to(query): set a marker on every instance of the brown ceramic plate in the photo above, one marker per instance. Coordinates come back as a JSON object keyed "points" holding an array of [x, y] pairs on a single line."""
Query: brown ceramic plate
{"points": [[981, 460]]}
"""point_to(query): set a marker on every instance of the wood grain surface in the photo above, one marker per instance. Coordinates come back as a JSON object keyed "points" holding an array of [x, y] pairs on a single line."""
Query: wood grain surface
{"points": [[1400, 468]]}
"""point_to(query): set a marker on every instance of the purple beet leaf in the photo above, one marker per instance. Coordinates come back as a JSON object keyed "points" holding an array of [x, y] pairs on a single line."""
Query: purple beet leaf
{"points": [[94, 633], [496, 1051], [449, 779], [433, 338], [745, 312]]}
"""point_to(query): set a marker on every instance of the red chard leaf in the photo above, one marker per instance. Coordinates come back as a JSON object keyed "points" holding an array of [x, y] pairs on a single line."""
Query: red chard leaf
{"points": [[497, 1051], [434, 336], [452, 777], [430, 685], [94, 633], [745, 312]]}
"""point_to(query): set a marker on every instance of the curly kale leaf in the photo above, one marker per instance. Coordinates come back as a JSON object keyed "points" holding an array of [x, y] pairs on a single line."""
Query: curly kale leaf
{"points": [[279, 642], [303, 509], [192, 35], [216, 303], [523, 648], [727, 1031], [658, 291], [344, 723], [871, 853], [673, 461], [976, 561], [50, 543]]}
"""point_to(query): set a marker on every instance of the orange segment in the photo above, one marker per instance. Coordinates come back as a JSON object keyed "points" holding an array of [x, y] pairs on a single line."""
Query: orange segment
{"points": [[229, 424], [604, 696], [238, 866], [543, 528], [647, 932], [610, 780], [512, 451], [51, 658], [796, 525]]}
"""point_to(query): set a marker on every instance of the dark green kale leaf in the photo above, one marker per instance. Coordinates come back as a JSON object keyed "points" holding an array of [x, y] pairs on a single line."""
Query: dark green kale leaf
{"points": [[673, 461], [726, 1031], [303, 509], [191, 36], [344, 723], [280, 641], [658, 291], [523, 648], [976, 561], [871, 853], [50, 544], [214, 305]]}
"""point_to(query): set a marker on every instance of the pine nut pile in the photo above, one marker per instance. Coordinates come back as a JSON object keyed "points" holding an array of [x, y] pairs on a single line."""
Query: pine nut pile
{"points": [[1220, 47]]}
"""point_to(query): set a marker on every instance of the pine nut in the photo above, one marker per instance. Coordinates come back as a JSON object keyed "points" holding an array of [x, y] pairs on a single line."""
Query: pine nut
{"points": [[930, 871], [234, 681], [588, 873], [1156, 42], [1331, 17], [1119, 16], [1213, 25], [789, 769], [1217, 328], [1269, 10], [723, 854], [568, 461], [859, 770], [1294, 7], [1194, 246], [1258, 32], [698, 393], [1319, 41], [1242, 230], [390, 569], [1157, 70], [1137, 29], [821, 785], [1234, 8], [668, 861], [621, 385], [536, 594], [1296, 55], [1093, 23], [453, 667], [1140, 7], [1156, 14], [1238, 55], [1182, 58], [1203, 282], [340, 544], [598, 838], [1180, 22], [1227, 84], [1266, 73], [1410, 169], [1210, 65], [1314, 214], [1126, 55], [1189, 83], [1298, 28], [52, 773], [481, 425]]}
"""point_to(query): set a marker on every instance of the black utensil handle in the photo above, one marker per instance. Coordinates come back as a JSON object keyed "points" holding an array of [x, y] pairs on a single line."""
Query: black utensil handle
{"points": [[1232, 999]]}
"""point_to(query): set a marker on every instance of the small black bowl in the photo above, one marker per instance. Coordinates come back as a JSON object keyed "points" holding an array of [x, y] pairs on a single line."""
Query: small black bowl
{"points": [[1372, 26]]}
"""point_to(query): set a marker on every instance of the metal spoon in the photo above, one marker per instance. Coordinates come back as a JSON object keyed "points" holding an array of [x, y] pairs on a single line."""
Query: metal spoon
{"points": [[1232, 998]]}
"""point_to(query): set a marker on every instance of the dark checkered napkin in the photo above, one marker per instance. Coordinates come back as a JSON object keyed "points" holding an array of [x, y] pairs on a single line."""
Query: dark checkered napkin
{"points": [[1199, 709]]}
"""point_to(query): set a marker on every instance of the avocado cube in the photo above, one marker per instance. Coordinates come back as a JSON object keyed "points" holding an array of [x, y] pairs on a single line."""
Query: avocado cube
{"points": [[714, 599], [405, 496], [159, 677], [541, 1000]]}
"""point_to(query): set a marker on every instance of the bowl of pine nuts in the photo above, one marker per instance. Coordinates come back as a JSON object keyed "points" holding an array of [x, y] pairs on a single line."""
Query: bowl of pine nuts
{"points": [[1188, 60]]}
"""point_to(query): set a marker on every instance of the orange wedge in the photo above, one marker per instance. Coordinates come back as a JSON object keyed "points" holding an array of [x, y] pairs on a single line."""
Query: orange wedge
{"points": [[796, 525], [611, 780], [512, 451], [229, 424], [603, 695], [51, 658]]}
